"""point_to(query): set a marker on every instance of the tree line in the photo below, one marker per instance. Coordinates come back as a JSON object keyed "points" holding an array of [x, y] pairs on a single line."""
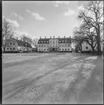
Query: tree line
{"points": [[91, 27], [9, 31]]}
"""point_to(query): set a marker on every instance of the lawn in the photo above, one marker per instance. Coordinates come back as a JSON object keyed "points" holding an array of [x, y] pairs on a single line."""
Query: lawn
{"points": [[52, 78]]}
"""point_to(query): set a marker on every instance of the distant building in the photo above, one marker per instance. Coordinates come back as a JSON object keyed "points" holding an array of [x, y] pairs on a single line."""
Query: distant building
{"points": [[85, 46], [15, 45], [54, 44]]}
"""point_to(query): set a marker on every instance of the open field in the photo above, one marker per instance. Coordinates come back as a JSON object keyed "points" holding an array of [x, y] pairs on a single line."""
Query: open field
{"points": [[52, 78]]}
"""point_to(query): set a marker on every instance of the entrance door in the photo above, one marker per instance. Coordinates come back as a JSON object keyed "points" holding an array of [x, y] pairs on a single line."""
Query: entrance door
{"points": [[54, 49]]}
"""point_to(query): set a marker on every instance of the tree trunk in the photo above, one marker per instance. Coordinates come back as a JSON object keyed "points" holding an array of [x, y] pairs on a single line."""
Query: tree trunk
{"points": [[98, 42], [93, 50]]}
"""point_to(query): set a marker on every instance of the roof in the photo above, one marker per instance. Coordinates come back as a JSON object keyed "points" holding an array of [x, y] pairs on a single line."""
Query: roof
{"points": [[43, 41], [61, 40], [64, 40], [21, 43]]}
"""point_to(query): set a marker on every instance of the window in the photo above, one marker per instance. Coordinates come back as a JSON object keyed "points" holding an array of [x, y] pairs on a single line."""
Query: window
{"points": [[10, 43], [86, 47], [62, 49], [13, 48], [65, 49]]}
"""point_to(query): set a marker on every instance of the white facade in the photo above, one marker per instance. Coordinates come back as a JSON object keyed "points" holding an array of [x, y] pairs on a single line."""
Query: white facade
{"points": [[86, 47], [65, 47], [13, 45], [43, 47], [54, 44]]}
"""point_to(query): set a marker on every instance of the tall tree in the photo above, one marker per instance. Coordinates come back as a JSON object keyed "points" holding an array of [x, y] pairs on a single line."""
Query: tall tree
{"points": [[92, 17]]}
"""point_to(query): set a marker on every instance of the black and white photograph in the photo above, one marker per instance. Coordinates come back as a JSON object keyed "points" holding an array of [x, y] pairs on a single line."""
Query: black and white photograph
{"points": [[52, 52]]}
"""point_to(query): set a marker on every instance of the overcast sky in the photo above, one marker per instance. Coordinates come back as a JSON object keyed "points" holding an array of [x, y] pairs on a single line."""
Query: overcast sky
{"points": [[43, 18]]}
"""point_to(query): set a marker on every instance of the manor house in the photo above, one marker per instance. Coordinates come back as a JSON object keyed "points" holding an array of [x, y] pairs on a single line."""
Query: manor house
{"points": [[54, 44]]}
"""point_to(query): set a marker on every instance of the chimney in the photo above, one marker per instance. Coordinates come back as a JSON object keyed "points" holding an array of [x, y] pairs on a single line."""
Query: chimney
{"points": [[58, 36], [40, 37], [64, 36], [50, 36], [45, 37], [53, 36]]}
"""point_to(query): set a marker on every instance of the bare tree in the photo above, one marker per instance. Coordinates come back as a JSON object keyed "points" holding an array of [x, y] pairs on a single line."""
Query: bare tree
{"points": [[8, 28], [26, 39], [92, 17], [35, 42]]}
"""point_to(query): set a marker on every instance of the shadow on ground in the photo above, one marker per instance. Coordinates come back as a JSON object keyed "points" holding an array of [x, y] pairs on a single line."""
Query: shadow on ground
{"points": [[88, 87], [93, 92]]}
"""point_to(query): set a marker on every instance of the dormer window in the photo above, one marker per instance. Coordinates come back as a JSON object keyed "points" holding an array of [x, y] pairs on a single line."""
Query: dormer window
{"points": [[62, 40]]}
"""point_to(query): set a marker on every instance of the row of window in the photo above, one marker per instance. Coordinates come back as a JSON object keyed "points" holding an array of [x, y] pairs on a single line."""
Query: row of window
{"points": [[64, 45], [43, 42], [55, 45], [54, 41], [59, 49], [12, 43], [64, 49], [43, 45], [63, 41], [60, 41], [43, 49], [10, 48]]}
